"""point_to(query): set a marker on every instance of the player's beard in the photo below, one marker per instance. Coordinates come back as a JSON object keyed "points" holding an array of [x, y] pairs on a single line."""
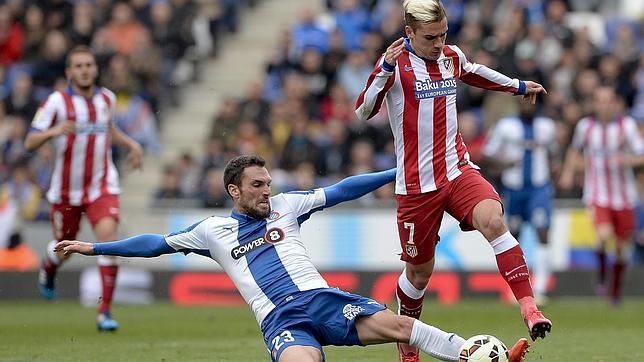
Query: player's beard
{"points": [[257, 213]]}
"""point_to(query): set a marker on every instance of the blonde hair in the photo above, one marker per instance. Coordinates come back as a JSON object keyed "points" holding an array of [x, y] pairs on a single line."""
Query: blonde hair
{"points": [[423, 11]]}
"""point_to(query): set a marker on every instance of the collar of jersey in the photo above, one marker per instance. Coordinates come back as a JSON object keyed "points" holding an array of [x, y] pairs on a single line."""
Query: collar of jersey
{"points": [[242, 217], [71, 92]]}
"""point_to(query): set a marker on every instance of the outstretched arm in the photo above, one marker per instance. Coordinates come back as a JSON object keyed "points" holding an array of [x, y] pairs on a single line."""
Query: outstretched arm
{"points": [[354, 187], [145, 245]]}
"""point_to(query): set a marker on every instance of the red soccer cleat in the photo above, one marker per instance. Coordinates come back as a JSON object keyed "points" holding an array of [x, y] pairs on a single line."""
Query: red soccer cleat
{"points": [[518, 351], [409, 356], [537, 324]]}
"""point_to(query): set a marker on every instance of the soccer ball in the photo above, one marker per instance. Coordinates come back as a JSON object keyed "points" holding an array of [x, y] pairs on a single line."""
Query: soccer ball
{"points": [[483, 348]]}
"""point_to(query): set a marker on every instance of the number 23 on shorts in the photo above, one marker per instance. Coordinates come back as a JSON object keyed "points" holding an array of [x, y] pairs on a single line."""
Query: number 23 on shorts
{"points": [[282, 338]]}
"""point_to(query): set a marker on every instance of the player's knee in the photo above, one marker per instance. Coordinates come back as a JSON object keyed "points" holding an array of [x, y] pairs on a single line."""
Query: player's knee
{"points": [[493, 225], [419, 276]]}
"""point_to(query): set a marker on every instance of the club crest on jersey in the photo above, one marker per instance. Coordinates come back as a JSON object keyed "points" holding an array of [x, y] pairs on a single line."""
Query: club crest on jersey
{"points": [[274, 215], [448, 65], [411, 250], [427, 88]]}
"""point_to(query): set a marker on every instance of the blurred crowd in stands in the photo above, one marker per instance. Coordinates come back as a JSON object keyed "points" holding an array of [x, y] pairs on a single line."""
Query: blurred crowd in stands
{"points": [[147, 50], [300, 116]]}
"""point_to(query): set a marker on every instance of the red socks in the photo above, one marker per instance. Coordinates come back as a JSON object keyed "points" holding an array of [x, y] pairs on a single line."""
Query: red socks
{"points": [[514, 269], [108, 279], [618, 277], [408, 306]]}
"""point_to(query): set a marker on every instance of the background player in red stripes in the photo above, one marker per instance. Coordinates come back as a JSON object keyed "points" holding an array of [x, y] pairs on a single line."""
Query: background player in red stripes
{"points": [[612, 145], [417, 77], [85, 181]]}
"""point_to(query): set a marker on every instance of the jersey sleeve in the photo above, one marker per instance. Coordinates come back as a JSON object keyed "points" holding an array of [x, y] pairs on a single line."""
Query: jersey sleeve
{"points": [[479, 75], [380, 81], [194, 238], [581, 132], [48, 113], [633, 136], [305, 203]]}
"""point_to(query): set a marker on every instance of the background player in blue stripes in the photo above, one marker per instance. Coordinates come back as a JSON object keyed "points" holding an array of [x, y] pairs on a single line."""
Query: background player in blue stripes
{"points": [[521, 146], [259, 246]]}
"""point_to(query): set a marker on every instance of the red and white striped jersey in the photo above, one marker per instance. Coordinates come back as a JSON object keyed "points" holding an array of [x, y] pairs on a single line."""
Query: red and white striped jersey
{"points": [[421, 102], [606, 183], [83, 169]]}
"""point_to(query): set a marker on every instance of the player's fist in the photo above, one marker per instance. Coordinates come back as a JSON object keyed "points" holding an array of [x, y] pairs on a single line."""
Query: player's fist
{"points": [[68, 247], [134, 156], [394, 50], [63, 129]]}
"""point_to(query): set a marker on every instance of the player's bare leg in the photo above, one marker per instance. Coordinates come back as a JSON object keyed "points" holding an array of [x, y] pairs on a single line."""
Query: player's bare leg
{"points": [[410, 294], [301, 353], [385, 326], [105, 230], [487, 217]]}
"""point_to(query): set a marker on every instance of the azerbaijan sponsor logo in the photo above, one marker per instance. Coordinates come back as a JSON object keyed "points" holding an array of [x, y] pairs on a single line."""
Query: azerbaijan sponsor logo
{"points": [[425, 89]]}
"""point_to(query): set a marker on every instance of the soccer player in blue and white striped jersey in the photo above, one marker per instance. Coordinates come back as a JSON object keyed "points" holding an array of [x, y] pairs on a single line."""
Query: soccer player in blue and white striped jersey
{"points": [[260, 247]]}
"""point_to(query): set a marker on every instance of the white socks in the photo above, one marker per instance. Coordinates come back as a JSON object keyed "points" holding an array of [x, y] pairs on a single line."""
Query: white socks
{"points": [[503, 243], [541, 269], [408, 288], [435, 342], [51, 254]]}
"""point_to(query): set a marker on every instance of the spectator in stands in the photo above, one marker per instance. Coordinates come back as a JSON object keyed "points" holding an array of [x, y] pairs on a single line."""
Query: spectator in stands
{"points": [[21, 101], [337, 105], [334, 149], [354, 71], [170, 188], [213, 193], [307, 34], [51, 65], [254, 106], [124, 31], [299, 146], [34, 33], [11, 37], [83, 26]]}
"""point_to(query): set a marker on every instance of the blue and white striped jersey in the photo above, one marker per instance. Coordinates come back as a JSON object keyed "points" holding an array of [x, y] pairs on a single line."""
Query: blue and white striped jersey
{"points": [[265, 258], [525, 144]]}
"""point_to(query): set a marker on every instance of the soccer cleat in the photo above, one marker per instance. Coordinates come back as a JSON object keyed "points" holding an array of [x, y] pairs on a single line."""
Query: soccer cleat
{"points": [[537, 324], [105, 323], [518, 351], [410, 356], [46, 285]]}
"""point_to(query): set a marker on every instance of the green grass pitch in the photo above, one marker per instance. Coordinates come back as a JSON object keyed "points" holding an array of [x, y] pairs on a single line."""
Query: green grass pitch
{"points": [[584, 330]]}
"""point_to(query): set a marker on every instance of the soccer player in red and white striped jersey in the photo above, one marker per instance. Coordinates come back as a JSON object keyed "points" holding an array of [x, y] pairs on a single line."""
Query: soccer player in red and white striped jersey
{"points": [[79, 121], [611, 145], [417, 77]]}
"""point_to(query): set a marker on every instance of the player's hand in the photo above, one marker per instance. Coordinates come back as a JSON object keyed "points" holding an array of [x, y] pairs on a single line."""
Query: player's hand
{"points": [[394, 50], [134, 157], [532, 89], [64, 128], [69, 247]]}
